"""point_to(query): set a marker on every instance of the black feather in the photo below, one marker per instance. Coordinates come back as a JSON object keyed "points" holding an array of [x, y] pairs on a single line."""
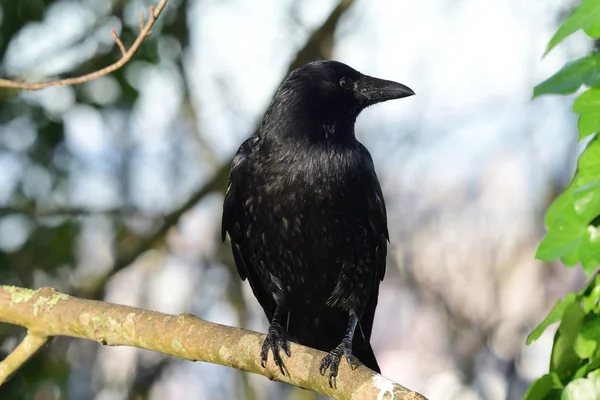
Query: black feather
{"points": [[306, 216]]}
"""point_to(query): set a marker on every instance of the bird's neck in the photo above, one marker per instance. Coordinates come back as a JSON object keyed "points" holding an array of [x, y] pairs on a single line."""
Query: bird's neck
{"points": [[340, 131], [309, 129]]}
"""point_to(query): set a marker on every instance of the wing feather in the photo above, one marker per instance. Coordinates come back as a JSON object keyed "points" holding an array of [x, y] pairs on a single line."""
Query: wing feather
{"points": [[234, 223]]}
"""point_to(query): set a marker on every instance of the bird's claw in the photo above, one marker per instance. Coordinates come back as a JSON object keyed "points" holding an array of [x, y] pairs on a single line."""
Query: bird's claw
{"points": [[333, 359], [275, 340]]}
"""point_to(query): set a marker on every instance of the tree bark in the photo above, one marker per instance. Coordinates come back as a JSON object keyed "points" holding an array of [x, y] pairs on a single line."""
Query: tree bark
{"points": [[47, 313]]}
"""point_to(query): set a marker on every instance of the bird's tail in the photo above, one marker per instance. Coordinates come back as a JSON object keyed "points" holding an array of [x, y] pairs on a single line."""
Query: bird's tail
{"points": [[364, 353], [326, 331]]}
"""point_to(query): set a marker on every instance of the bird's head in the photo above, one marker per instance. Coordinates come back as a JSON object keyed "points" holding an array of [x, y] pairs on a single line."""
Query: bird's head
{"points": [[330, 93]]}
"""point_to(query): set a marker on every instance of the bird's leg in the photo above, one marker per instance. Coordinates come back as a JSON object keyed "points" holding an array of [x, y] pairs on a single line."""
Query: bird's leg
{"points": [[332, 360], [276, 339]]}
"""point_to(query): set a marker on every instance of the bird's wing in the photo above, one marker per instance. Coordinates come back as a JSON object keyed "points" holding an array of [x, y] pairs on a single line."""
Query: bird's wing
{"points": [[232, 208], [378, 223], [377, 215], [234, 223]]}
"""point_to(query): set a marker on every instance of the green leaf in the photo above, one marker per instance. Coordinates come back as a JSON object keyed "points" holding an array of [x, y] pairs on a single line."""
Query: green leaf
{"points": [[587, 105], [589, 252], [588, 124], [588, 101], [585, 16], [593, 30], [555, 315], [572, 236], [588, 164], [580, 373], [586, 195], [585, 70], [586, 198], [565, 236], [564, 360], [588, 339], [585, 348], [558, 207], [590, 295], [540, 388], [591, 328]]}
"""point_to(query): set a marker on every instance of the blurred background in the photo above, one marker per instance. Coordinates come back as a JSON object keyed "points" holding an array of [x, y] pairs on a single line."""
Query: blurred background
{"points": [[112, 190]]}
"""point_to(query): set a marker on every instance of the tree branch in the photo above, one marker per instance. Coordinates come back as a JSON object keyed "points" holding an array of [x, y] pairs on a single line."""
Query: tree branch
{"points": [[320, 42], [48, 313], [126, 56], [34, 211], [20, 355]]}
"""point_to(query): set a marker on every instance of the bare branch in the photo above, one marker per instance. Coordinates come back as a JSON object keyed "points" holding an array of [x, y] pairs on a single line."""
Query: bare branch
{"points": [[20, 355], [141, 21], [127, 55], [118, 41], [33, 211], [47, 313], [320, 43]]}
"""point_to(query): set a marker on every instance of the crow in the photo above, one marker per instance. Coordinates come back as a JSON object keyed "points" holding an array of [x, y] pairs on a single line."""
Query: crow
{"points": [[306, 217]]}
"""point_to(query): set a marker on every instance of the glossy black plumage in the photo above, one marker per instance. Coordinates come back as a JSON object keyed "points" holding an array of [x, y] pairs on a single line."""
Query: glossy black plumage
{"points": [[306, 216]]}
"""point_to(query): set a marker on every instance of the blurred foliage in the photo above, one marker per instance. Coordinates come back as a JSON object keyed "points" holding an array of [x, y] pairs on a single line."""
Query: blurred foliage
{"points": [[48, 254], [573, 224], [45, 227]]}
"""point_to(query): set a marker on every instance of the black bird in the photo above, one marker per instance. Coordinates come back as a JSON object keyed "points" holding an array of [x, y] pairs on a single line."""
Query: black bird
{"points": [[306, 216]]}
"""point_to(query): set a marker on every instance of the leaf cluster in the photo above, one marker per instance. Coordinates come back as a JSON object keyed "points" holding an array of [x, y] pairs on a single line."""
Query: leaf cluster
{"points": [[572, 223]]}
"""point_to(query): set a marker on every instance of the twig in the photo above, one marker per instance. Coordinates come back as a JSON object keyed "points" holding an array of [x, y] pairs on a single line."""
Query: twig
{"points": [[30, 209], [48, 313], [141, 21], [118, 41], [126, 56], [21, 354]]}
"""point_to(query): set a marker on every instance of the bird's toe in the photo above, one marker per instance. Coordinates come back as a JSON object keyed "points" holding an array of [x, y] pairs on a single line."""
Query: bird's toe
{"points": [[348, 356], [275, 341], [285, 345], [325, 363], [332, 361]]}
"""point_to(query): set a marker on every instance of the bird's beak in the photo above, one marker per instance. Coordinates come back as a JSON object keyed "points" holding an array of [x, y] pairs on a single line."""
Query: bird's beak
{"points": [[375, 90]]}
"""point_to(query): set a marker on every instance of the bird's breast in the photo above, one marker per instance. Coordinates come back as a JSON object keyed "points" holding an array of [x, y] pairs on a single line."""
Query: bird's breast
{"points": [[310, 176], [307, 223], [309, 203]]}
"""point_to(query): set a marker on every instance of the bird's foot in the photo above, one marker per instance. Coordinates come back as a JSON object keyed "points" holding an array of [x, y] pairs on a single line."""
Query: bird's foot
{"points": [[276, 339], [333, 359]]}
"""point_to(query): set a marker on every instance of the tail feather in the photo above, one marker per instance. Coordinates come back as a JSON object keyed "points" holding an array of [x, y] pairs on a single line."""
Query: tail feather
{"points": [[326, 332], [366, 356]]}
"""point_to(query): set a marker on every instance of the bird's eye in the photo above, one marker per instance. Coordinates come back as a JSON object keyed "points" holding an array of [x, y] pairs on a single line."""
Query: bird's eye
{"points": [[346, 83]]}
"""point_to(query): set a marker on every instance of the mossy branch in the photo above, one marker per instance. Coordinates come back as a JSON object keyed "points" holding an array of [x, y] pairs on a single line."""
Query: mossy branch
{"points": [[47, 313]]}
